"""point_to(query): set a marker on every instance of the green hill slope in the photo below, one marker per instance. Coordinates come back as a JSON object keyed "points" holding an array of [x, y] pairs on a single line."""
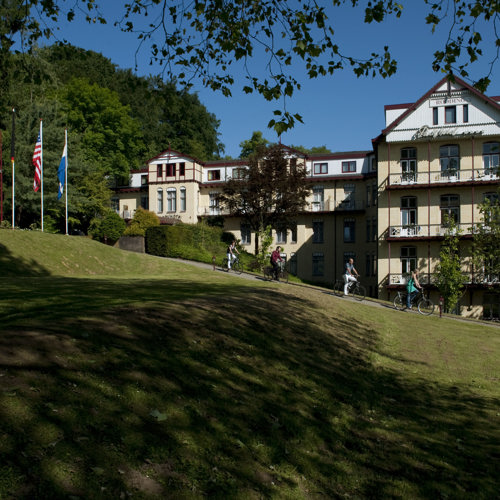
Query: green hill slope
{"points": [[33, 253], [130, 376]]}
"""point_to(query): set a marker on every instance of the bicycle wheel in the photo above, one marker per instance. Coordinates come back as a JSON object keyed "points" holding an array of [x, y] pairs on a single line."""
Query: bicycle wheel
{"points": [[224, 264], [236, 267], [268, 272], [358, 291], [338, 288], [400, 302], [284, 276], [425, 306]]}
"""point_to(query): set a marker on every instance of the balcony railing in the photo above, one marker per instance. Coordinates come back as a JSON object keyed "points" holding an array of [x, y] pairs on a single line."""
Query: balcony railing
{"points": [[437, 176], [427, 230], [430, 279]]}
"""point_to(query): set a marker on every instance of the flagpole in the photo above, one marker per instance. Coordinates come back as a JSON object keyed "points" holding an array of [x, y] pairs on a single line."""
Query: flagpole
{"points": [[13, 162], [66, 175], [41, 168]]}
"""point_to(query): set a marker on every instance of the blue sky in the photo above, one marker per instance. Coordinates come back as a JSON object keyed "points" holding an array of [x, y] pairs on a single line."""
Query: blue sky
{"points": [[341, 112]]}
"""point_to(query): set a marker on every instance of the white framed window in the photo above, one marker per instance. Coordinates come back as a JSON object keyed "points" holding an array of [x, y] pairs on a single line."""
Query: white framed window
{"points": [[408, 259], [318, 202], [320, 168], [449, 158], [159, 201], [246, 234], [281, 235], [408, 210], [491, 151], [214, 203], [171, 200], [408, 163], [182, 198], [115, 205], [348, 166]]}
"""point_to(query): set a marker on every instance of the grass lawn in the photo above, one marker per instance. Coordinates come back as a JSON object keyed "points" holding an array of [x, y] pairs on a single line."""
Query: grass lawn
{"points": [[130, 376]]}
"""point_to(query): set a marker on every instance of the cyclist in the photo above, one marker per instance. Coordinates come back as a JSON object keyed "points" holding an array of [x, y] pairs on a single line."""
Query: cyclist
{"points": [[350, 274], [412, 287], [275, 258], [231, 254]]}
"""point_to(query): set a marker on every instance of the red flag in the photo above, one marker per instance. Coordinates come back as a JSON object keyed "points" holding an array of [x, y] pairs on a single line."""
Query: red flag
{"points": [[37, 162]]}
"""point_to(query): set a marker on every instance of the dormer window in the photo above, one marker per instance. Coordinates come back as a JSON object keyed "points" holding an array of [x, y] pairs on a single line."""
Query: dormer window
{"points": [[214, 175], [320, 168], [348, 167]]}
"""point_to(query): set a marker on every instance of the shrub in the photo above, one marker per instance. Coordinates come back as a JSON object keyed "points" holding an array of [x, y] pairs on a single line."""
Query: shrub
{"points": [[142, 220], [108, 229]]}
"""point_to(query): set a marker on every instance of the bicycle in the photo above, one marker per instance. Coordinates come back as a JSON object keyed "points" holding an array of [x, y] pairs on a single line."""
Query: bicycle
{"points": [[354, 288], [235, 265], [425, 305], [282, 273]]}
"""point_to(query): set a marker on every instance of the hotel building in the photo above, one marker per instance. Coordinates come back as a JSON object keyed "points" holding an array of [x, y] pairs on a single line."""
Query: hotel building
{"points": [[386, 208]]}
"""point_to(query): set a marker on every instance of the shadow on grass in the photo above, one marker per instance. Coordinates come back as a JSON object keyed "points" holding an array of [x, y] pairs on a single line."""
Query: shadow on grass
{"points": [[162, 390]]}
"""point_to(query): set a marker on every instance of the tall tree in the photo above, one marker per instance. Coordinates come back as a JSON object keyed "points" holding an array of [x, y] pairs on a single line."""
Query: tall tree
{"points": [[486, 244], [252, 145], [449, 276], [271, 192]]}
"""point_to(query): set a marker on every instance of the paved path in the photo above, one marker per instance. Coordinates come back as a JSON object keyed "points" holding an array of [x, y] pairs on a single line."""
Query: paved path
{"points": [[368, 301]]}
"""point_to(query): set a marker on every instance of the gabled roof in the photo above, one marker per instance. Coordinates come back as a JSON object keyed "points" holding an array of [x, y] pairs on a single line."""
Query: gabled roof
{"points": [[174, 153], [412, 107]]}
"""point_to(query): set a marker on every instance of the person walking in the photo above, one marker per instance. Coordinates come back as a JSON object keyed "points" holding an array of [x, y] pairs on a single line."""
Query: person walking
{"points": [[350, 274]]}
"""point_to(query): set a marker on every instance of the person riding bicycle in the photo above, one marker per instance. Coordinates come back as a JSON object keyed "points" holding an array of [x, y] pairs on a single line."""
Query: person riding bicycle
{"points": [[275, 258], [231, 254], [412, 287], [350, 274]]}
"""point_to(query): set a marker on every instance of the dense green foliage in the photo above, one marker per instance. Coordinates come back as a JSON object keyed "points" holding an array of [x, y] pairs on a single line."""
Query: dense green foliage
{"points": [[449, 277], [141, 221], [116, 121], [486, 245], [188, 241], [107, 229]]}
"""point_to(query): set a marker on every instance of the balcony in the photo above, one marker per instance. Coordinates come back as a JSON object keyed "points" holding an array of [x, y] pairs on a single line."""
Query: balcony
{"points": [[443, 176], [427, 230]]}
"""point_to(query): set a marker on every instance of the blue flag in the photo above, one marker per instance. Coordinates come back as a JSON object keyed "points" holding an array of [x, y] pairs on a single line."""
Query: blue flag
{"points": [[61, 172]]}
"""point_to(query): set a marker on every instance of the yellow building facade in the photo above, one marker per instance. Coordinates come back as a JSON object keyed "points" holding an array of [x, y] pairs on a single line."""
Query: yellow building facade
{"points": [[386, 208]]}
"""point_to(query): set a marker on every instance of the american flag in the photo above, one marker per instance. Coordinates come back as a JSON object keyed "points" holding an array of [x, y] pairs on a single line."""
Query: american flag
{"points": [[37, 162]]}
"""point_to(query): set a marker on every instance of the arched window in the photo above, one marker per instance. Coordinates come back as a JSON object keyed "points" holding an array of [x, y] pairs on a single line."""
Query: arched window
{"points": [[182, 198], [171, 200], [160, 201]]}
